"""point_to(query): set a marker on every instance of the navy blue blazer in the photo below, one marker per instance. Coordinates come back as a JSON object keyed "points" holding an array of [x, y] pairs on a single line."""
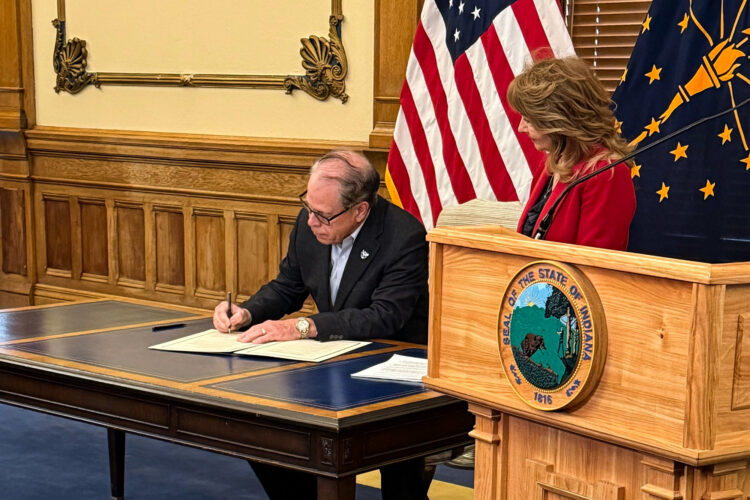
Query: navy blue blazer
{"points": [[383, 291]]}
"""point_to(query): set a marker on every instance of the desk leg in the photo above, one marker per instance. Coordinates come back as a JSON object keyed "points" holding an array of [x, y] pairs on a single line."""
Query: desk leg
{"points": [[337, 489], [116, 441]]}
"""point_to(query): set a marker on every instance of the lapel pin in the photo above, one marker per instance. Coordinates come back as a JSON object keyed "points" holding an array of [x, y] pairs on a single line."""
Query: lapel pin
{"points": [[364, 254]]}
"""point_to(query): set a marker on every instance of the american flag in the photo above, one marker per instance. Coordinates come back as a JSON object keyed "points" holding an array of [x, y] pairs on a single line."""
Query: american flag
{"points": [[456, 137]]}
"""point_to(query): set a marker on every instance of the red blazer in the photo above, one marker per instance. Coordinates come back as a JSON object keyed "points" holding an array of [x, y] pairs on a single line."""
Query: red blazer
{"points": [[596, 213]]}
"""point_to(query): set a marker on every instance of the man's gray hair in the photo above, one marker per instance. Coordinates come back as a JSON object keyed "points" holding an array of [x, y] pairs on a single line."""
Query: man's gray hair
{"points": [[359, 180]]}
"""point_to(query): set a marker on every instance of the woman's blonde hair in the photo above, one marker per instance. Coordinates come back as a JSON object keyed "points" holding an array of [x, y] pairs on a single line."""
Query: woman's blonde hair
{"points": [[563, 99]]}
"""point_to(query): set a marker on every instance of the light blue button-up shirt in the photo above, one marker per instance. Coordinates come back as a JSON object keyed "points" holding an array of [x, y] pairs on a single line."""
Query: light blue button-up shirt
{"points": [[339, 256]]}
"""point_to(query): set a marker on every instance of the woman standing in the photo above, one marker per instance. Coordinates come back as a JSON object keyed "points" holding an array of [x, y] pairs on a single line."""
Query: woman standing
{"points": [[566, 113]]}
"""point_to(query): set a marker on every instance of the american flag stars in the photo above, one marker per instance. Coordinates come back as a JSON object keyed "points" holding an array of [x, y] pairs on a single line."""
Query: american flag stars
{"points": [[476, 13]]}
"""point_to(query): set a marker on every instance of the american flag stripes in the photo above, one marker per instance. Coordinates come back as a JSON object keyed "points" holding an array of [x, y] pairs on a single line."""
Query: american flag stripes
{"points": [[456, 137]]}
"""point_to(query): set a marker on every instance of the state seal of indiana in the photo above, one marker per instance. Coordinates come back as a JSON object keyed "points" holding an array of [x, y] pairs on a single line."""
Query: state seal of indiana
{"points": [[552, 335]]}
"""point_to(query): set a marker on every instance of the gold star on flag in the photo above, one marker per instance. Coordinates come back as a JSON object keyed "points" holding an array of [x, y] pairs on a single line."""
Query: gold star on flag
{"points": [[635, 171], [618, 126], [624, 74], [653, 127], [680, 151], [654, 74], [646, 24], [746, 161], [726, 136], [663, 192], [684, 23], [708, 189]]}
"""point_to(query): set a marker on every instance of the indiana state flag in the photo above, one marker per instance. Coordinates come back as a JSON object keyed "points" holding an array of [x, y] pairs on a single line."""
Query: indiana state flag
{"points": [[693, 191]]}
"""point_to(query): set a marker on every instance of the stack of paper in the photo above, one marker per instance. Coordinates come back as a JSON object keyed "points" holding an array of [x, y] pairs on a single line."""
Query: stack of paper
{"points": [[402, 368]]}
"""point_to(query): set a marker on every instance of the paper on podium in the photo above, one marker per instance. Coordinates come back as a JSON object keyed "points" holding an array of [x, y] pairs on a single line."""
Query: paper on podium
{"points": [[214, 342], [398, 367]]}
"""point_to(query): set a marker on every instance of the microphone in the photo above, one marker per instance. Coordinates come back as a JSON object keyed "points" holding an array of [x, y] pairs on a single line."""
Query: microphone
{"points": [[546, 221]]}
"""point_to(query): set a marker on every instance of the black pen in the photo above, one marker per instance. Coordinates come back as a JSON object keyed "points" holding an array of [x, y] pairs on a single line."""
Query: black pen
{"points": [[159, 328], [229, 310]]}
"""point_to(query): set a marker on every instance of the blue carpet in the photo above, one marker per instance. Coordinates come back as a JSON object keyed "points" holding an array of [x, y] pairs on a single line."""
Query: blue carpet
{"points": [[44, 456]]}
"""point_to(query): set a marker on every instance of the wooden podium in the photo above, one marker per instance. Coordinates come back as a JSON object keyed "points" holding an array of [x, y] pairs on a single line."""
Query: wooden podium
{"points": [[670, 415]]}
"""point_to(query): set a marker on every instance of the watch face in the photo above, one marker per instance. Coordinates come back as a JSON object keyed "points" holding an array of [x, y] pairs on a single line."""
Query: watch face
{"points": [[303, 325]]}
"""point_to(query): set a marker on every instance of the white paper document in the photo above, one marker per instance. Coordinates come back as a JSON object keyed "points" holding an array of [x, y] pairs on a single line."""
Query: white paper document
{"points": [[402, 368], [303, 349], [213, 341], [209, 341]]}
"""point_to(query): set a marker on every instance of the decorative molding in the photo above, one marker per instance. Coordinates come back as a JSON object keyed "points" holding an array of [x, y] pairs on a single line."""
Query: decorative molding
{"points": [[546, 482], [724, 481], [324, 61], [326, 451], [69, 61], [662, 478], [741, 379]]}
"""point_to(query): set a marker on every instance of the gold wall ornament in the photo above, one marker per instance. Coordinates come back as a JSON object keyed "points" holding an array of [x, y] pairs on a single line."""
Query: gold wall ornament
{"points": [[324, 62], [69, 61], [325, 65]]}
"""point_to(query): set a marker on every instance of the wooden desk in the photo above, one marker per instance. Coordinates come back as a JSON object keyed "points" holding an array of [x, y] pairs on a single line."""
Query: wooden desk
{"points": [[89, 361]]}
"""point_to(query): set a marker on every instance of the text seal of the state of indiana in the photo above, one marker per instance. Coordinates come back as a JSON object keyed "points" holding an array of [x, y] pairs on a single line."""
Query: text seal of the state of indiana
{"points": [[552, 335]]}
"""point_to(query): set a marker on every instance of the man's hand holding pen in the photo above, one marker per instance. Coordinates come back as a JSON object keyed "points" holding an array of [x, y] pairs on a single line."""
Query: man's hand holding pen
{"points": [[230, 317]]}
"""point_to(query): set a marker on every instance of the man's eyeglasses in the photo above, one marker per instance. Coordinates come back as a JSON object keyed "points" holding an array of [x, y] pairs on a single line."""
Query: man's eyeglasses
{"points": [[321, 218]]}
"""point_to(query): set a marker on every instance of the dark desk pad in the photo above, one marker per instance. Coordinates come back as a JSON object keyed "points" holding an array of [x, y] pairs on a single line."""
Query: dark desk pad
{"points": [[127, 350], [79, 317], [328, 386]]}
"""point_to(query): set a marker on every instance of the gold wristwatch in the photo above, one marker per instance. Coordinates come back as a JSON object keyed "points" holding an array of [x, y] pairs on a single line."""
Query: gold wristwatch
{"points": [[303, 327]]}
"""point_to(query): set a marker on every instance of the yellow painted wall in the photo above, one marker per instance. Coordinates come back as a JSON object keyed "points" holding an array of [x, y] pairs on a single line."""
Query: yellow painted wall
{"points": [[192, 36]]}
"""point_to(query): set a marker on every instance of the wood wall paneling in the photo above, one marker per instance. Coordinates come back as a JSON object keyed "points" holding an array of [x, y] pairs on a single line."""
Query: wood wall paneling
{"points": [[189, 234], [16, 65], [57, 236], [274, 244], [395, 25], [230, 249], [166, 217], [94, 240], [13, 227], [17, 252], [131, 245], [252, 248], [149, 245], [10, 69], [286, 224], [8, 300], [11, 81], [210, 277], [170, 249]]}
